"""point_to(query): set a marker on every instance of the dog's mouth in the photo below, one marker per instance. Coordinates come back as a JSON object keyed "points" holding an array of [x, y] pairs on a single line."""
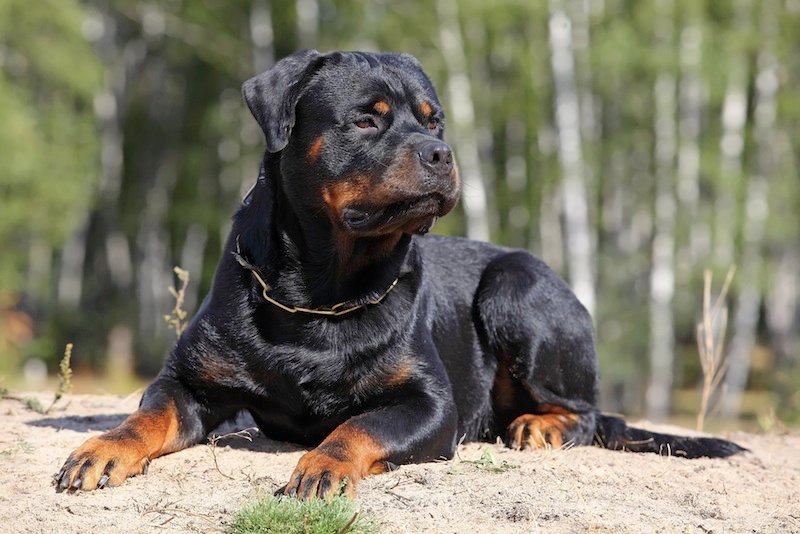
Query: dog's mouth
{"points": [[413, 216]]}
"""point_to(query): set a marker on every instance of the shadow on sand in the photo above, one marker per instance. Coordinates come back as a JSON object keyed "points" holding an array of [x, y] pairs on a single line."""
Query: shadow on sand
{"points": [[229, 434]]}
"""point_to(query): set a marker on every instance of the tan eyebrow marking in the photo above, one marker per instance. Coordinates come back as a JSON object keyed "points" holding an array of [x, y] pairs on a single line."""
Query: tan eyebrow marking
{"points": [[382, 107], [426, 109]]}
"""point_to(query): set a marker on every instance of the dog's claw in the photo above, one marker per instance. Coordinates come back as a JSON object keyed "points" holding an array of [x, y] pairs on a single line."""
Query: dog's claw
{"points": [[102, 482]]}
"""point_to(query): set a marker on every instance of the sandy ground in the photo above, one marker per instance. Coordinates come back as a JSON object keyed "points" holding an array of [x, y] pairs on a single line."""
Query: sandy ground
{"points": [[578, 490]]}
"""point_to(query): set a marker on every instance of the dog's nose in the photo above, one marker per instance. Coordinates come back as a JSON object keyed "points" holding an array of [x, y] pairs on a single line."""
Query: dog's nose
{"points": [[436, 156]]}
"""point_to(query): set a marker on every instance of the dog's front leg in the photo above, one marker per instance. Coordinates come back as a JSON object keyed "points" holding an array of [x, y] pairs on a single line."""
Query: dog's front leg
{"points": [[169, 418], [422, 428]]}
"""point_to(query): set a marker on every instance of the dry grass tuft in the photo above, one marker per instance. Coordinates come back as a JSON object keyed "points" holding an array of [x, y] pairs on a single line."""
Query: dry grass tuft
{"points": [[711, 341], [64, 377]]}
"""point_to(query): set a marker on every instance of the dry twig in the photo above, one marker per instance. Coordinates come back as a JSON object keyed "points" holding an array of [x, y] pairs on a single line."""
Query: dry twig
{"points": [[212, 445]]}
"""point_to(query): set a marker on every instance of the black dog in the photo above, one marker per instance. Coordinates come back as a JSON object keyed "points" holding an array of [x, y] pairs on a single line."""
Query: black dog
{"points": [[336, 325]]}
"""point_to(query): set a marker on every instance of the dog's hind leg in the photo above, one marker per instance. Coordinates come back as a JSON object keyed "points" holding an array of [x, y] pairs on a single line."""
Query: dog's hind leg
{"points": [[545, 388]]}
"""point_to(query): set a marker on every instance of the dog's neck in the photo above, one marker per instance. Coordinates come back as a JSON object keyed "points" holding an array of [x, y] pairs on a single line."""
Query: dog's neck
{"points": [[294, 250]]}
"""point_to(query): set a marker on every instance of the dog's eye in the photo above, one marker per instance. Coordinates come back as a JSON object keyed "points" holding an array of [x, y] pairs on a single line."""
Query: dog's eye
{"points": [[367, 123], [433, 123]]}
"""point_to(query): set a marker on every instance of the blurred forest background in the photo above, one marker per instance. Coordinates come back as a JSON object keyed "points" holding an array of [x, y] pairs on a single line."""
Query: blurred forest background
{"points": [[630, 144]]}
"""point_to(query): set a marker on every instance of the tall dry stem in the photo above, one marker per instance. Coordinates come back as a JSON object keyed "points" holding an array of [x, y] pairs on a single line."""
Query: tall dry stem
{"points": [[711, 341], [177, 318]]}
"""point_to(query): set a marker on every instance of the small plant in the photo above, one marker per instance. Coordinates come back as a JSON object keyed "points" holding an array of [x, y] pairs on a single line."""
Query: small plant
{"points": [[64, 377], [488, 462], [282, 515], [33, 404], [176, 319], [30, 403], [19, 447], [711, 340]]}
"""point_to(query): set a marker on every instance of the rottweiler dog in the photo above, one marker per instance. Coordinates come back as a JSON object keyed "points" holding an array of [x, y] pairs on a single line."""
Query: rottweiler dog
{"points": [[336, 323]]}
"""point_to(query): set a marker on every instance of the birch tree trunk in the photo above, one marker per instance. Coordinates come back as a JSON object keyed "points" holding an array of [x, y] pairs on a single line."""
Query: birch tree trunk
{"points": [[109, 115], [262, 37], [589, 122], [567, 118], [782, 307], [516, 174], [745, 321], [662, 275], [154, 269], [688, 187], [307, 22], [70, 277], [462, 120], [734, 117]]}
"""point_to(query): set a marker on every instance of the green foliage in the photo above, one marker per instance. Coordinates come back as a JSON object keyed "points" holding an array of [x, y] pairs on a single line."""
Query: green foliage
{"points": [[48, 142], [282, 515]]}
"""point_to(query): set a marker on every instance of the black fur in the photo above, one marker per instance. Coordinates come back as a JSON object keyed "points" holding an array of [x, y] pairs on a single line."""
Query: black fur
{"points": [[472, 337]]}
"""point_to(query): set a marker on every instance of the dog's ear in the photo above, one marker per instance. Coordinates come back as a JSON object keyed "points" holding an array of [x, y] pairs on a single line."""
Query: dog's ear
{"points": [[273, 95]]}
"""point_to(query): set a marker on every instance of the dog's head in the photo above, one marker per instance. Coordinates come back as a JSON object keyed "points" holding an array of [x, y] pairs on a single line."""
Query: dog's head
{"points": [[360, 136]]}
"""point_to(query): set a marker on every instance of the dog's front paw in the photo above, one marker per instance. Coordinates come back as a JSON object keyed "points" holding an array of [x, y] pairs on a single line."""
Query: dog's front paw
{"points": [[102, 461], [322, 476]]}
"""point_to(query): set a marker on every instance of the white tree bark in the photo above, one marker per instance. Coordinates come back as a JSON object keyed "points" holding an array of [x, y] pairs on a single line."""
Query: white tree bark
{"points": [[40, 268], [567, 118], [745, 322], [581, 41], [688, 187], [154, 267], [262, 37], [107, 110], [307, 22], [516, 180], [192, 253], [70, 277], [783, 305], [734, 116], [662, 274], [462, 120]]}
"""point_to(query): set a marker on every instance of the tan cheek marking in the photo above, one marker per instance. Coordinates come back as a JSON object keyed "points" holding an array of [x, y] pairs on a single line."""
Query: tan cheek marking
{"points": [[382, 107], [339, 195], [314, 151]]}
